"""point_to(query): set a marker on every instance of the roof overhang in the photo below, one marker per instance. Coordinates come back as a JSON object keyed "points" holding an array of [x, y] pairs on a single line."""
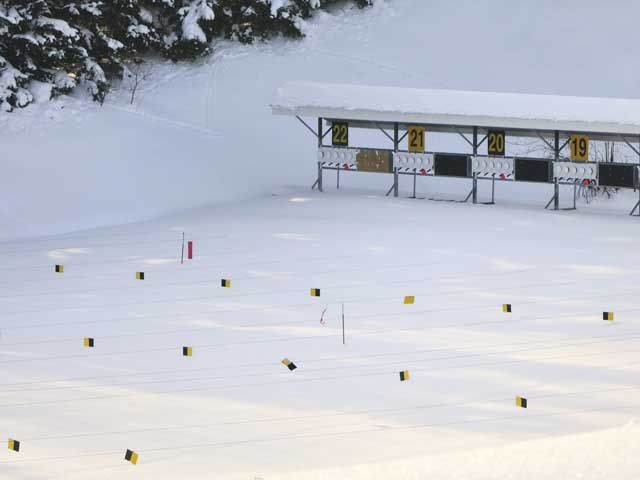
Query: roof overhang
{"points": [[447, 110]]}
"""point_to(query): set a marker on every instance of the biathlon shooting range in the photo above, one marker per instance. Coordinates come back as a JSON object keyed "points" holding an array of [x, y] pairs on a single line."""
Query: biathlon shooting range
{"points": [[319, 240], [409, 119]]}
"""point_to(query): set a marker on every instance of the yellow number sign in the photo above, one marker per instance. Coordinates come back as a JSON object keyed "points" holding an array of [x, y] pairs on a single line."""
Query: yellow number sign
{"points": [[340, 134], [495, 144], [416, 139], [579, 145]]}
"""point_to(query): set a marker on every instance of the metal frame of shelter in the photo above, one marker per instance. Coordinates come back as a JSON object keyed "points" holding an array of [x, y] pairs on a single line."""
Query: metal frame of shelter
{"points": [[494, 166]]}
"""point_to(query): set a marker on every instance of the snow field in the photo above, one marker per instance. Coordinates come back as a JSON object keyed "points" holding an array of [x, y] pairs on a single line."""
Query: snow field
{"points": [[232, 410]]}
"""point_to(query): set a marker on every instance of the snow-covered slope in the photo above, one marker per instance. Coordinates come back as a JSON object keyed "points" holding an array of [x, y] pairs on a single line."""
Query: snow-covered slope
{"points": [[203, 133]]}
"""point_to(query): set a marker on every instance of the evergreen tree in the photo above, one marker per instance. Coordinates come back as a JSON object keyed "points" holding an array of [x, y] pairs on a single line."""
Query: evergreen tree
{"points": [[43, 47], [193, 22], [90, 42], [13, 82], [114, 32]]}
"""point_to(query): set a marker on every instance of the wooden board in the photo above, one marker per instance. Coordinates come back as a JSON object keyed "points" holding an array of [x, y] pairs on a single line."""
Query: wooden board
{"points": [[374, 160]]}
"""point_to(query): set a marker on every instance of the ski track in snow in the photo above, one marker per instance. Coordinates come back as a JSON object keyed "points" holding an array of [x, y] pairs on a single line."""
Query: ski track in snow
{"points": [[168, 121]]}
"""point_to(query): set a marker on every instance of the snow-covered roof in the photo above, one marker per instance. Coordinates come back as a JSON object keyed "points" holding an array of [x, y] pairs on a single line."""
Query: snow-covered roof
{"points": [[510, 111]]}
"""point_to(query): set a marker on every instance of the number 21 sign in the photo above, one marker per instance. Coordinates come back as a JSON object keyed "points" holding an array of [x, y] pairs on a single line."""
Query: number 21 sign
{"points": [[415, 138]]}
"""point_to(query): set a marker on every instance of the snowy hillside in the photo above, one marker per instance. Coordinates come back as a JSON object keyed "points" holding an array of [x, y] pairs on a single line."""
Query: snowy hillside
{"points": [[201, 134]]}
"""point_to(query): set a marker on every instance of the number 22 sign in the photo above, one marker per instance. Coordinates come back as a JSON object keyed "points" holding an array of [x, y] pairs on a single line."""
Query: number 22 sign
{"points": [[340, 134]]}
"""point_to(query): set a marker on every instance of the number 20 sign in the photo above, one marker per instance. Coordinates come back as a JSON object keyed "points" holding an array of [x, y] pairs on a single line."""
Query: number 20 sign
{"points": [[495, 145]]}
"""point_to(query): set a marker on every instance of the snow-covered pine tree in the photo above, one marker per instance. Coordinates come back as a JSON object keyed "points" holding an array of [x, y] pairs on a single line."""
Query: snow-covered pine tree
{"points": [[89, 42], [278, 17], [187, 25], [114, 32], [248, 20], [41, 47], [13, 82]]}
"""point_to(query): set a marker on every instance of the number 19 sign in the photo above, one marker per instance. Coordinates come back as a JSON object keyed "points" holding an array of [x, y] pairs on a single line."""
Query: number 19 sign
{"points": [[579, 145]]}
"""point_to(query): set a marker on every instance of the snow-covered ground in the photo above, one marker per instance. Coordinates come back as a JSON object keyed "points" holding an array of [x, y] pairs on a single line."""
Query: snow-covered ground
{"points": [[232, 410], [202, 134]]}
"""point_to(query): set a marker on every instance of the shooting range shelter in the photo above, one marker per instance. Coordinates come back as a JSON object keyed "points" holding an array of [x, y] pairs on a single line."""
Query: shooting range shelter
{"points": [[407, 117]]}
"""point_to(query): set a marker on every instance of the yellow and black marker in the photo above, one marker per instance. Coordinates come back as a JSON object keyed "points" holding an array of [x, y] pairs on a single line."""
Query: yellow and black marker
{"points": [[404, 375], [89, 342], [607, 316], [13, 445], [139, 275], [131, 456], [506, 308], [521, 402], [225, 283], [315, 292], [409, 300], [59, 268], [289, 364], [187, 351]]}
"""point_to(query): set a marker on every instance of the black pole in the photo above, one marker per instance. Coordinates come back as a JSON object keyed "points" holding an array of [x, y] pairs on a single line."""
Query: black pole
{"points": [[475, 140], [182, 254], [396, 146]]}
